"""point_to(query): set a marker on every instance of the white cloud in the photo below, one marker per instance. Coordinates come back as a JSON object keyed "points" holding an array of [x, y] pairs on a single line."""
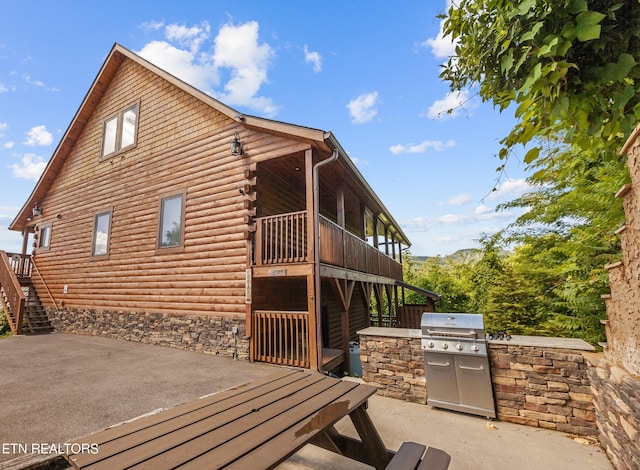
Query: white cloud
{"points": [[458, 200], [442, 47], [151, 25], [363, 108], [8, 212], [39, 135], [192, 37], [8, 145], [483, 209], [27, 78], [238, 48], [437, 145], [450, 106], [422, 224], [236, 53], [313, 58], [3, 88], [30, 167], [197, 71], [511, 189]]}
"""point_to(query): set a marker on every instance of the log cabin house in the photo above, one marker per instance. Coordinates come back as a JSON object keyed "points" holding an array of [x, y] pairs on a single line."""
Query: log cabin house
{"points": [[167, 217]]}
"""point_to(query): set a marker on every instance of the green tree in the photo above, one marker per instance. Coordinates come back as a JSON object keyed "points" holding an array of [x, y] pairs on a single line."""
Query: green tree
{"points": [[568, 70], [450, 280]]}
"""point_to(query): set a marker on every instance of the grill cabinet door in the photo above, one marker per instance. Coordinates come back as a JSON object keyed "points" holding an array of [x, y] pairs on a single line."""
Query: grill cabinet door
{"points": [[441, 377], [474, 381]]}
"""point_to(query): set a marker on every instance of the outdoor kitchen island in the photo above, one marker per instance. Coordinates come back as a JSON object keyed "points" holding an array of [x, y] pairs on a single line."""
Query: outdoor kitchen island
{"points": [[540, 382]]}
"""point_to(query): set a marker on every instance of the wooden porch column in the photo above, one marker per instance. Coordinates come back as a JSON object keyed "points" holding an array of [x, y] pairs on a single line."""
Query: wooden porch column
{"points": [[313, 297], [312, 340], [375, 230], [340, 206], [344, 289], [25, 240]]}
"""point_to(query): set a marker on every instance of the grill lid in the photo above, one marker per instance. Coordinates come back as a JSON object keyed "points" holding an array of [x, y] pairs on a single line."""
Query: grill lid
{"points": [[453, 324]]}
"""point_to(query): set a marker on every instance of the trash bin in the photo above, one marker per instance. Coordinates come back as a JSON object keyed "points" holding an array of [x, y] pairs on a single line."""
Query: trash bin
{"points": [[354, 359]]}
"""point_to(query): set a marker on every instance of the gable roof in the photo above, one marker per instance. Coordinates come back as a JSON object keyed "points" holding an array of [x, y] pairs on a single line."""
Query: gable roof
{"points": [[323, 140]]}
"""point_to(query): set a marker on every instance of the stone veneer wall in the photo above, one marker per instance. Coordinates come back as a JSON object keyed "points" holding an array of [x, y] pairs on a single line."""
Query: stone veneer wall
{"points": [[204, 333], [392, 360], [617, 403], [542, 386], [616, 377], [537, 382]]}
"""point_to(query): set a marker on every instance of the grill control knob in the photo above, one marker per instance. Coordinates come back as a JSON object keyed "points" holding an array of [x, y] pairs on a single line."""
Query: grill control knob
{"points": [[431, 345], [445, 346], [459, 347], [475, 348]]}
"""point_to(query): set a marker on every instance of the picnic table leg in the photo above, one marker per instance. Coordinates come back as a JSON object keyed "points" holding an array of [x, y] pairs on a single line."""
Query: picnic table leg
{"points": [[374, 447]]}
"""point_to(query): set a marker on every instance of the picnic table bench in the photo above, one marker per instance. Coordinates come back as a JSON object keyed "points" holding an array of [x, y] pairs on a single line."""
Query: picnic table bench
{"points": [[255, 425]]}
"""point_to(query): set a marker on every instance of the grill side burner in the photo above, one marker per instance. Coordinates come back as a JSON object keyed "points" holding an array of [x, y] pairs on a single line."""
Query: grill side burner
{"points": [[456, 363]]}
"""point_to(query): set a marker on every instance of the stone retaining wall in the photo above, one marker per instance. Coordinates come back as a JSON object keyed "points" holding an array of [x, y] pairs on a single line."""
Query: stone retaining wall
{"points": [[204, 333], [542, 387], [536, 382], [394, 364], [617, 403]]}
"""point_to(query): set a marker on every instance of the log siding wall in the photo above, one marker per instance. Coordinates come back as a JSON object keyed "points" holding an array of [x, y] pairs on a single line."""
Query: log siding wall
{"points": [[182, 146]]}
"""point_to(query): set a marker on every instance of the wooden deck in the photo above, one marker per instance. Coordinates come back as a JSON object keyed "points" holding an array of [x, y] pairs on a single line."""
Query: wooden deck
{"points": [[266, 421]]}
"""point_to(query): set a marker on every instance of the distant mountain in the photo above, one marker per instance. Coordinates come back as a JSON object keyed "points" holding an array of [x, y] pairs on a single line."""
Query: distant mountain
{"points": [[467, 255]]}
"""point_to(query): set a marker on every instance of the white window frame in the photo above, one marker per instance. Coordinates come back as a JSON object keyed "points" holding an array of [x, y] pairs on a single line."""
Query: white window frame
{"points": [[116, 146], [44, 236], [96, 216], [183, 196]]}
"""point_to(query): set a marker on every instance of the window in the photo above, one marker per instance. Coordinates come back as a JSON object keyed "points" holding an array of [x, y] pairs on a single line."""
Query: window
{"points": [[120, 131], [44, 237], [101, 231], [171, 221]]}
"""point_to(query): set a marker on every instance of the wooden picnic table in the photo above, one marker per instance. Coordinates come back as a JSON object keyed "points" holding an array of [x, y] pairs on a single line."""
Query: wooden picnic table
{"points": [[255, 425]]}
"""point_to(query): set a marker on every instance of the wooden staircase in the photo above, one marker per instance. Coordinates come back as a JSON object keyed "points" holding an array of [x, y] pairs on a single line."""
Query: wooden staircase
{"points": [[35, 319], [18, 297]]}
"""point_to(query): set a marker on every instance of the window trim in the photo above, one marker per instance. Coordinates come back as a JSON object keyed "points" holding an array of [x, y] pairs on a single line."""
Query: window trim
{"points": [[93, 238], [119, 116], [163, 197], [41, 228]]}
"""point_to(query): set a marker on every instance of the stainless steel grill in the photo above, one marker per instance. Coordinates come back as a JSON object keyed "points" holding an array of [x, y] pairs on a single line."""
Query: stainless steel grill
{"points": [[456, 363]]}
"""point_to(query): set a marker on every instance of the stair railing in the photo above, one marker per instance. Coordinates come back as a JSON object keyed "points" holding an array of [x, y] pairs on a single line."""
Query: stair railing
{"points": [[13, 291], [35, 268]]}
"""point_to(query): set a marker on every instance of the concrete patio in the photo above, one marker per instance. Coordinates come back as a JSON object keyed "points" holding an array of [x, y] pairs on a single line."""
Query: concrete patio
{"points": [[57, 387]]}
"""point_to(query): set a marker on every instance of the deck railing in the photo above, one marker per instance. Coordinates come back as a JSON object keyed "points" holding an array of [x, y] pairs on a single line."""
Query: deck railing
{"points": [[341, 248], [281, 337], [410, 315], [14, 298], [282, 239], [22, 265]]}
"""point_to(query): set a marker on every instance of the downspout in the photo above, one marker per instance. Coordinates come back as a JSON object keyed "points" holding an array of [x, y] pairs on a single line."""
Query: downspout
{"points": [[316, 250]]}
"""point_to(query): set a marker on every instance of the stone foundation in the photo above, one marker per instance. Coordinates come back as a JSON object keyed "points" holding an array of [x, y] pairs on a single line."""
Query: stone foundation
{"points": [[204, 333], [617, 405]]}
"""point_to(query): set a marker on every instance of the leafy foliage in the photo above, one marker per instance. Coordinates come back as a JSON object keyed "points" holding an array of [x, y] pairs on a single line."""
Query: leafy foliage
{"points": [[569, 67], [569, 70]]}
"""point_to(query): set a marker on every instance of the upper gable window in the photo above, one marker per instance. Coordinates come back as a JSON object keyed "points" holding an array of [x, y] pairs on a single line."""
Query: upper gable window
{"points": [[120, 131]]}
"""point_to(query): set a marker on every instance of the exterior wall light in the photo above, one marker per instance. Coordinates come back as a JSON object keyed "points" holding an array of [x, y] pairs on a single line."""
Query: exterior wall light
{"points": [[37, 210], [236, 145]]}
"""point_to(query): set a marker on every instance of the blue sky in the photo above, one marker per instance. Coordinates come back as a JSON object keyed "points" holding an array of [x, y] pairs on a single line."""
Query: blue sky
{"points": [[365, 70]]}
